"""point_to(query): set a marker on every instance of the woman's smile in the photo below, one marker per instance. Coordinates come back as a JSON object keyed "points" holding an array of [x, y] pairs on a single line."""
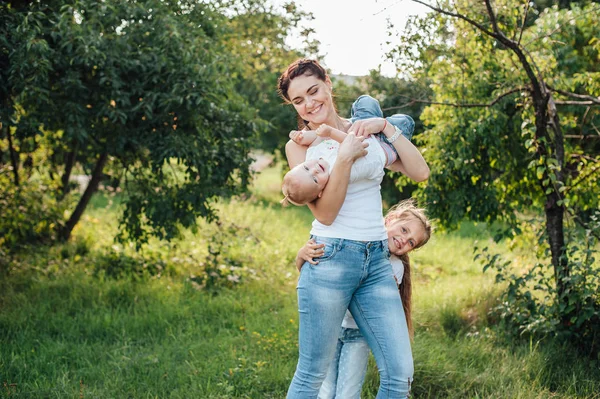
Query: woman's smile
{"points": [[316, 110]]}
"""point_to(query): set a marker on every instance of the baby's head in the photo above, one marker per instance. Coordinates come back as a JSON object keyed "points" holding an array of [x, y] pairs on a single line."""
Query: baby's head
{"points": [[407, 227], [306, 182]]}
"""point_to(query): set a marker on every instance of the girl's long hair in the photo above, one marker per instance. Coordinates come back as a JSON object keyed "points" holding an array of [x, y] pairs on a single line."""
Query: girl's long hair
{"points": [[405, 288]]}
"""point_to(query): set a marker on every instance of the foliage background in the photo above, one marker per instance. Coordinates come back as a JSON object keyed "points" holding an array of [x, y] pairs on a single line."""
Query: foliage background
{"points": [[163, 105]]}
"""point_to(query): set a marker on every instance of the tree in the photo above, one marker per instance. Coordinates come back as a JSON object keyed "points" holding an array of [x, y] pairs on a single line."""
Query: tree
{"points": [[144, 85], [257, 33], [512, 124]]}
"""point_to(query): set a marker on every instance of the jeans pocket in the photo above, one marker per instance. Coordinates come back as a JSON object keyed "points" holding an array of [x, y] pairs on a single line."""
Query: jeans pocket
{"points": [[332, 246]]}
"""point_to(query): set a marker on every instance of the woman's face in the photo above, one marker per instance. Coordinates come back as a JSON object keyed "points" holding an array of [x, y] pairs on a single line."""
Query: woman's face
{"points": [[311, 98], [405, 235]]}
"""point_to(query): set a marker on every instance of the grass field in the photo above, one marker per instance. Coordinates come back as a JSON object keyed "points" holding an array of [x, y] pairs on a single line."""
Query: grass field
{"points": [[93, 319]]}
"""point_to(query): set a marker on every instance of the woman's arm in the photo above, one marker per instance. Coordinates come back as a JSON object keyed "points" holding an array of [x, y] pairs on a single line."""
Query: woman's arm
{"points": [[326, 208], [410, 161], [295, 153]]}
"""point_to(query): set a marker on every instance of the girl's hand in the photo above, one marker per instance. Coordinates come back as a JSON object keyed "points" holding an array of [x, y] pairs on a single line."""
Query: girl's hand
{"points": [[366, 127], [303, 137], [309, 251]]}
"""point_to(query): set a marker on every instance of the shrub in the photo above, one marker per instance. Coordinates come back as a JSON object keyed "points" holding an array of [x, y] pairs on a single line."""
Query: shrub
{"points": [[223, 267], [530, 305], [29, 213]]}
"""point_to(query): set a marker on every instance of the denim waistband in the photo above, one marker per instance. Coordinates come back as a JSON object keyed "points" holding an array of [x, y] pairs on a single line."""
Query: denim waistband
{"points": [[353, 244]]}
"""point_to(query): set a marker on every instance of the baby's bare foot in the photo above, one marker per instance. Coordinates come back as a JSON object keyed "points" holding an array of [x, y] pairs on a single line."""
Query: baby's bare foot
{"points": [[324, 131], [303, 137]]}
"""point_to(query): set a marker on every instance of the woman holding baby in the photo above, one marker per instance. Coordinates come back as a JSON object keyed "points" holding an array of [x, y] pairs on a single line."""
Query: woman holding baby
{"points": [[340, 183]]}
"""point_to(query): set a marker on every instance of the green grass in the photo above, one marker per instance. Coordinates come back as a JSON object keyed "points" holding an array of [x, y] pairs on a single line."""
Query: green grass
{"points": [[67, 329]]}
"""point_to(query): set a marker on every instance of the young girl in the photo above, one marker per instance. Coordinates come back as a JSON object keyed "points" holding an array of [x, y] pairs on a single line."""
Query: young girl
{"points": [[407, 228]]}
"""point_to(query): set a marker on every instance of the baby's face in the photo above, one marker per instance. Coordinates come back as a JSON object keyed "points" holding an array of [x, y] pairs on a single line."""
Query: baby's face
{"points": [[313, 175], [405, 235]]}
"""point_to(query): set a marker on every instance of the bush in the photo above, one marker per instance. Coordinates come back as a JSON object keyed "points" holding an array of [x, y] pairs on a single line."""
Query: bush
{"points": [[530, 305], [224, 267], [118, 265], [29, 213]]}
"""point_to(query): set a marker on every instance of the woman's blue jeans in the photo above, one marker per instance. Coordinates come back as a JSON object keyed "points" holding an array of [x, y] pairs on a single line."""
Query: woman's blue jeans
{"points": [[351, 275]]}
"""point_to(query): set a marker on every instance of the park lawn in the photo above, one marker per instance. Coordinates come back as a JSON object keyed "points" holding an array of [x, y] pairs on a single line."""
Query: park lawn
{"points": [[70, 328]]}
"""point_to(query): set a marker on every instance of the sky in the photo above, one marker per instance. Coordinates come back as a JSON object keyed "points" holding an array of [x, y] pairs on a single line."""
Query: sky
{"points": [[353, 32]]}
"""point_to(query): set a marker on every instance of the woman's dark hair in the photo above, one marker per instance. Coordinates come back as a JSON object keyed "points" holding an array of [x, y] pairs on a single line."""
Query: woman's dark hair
{"points": [[302, 66]]}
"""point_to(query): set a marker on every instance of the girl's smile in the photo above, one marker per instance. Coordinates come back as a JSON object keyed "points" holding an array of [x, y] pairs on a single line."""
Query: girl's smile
{"points": [[405, 235]]}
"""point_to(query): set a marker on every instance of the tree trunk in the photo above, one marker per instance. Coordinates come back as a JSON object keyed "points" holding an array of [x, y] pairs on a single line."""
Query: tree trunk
{"points": [[85, 198], [555, 218], [556, 239], [14, 156], [2, 129], [545, 114], [70, 161]]}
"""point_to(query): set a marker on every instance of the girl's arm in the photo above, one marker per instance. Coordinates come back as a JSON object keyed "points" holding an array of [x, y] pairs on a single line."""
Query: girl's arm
{"points": [[326, 131]]}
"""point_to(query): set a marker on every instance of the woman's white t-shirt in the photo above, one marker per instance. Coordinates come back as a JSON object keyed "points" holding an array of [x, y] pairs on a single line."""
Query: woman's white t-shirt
{"points": [[360, 217]]}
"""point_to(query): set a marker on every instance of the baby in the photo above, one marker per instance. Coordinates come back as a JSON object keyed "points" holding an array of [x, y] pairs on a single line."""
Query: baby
{"points": [[306, 182]]}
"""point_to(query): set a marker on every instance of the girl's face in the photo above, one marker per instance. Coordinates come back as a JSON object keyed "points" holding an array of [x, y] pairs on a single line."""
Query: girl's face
{"points": [[405, 235], [311, 98]]}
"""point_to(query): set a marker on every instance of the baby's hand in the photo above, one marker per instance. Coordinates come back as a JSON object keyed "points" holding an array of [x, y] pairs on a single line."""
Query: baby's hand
{"points": [[324, 131], [303, 137]]}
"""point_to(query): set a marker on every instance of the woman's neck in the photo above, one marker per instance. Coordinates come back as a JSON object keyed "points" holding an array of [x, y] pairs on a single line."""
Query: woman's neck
{"points": [[336, 122]]}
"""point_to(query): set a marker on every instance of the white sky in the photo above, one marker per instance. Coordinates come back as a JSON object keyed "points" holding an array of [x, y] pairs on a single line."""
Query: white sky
{"points": [[353, 32]]}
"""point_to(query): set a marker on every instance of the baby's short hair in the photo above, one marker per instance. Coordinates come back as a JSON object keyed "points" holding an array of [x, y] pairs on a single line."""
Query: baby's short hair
{"points": [[294, 192]]}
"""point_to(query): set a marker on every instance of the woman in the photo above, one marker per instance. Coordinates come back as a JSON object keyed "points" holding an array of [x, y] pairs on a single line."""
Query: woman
{"points": [[355, 272]]}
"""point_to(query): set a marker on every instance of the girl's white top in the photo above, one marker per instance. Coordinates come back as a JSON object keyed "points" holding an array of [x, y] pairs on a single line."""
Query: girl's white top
{"points": [[398, 270], [360, 217]]}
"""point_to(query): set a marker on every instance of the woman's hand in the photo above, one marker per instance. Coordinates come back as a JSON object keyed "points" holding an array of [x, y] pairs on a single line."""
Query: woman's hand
{"points": [[367, 127], [309, 251], [352, 148]]}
